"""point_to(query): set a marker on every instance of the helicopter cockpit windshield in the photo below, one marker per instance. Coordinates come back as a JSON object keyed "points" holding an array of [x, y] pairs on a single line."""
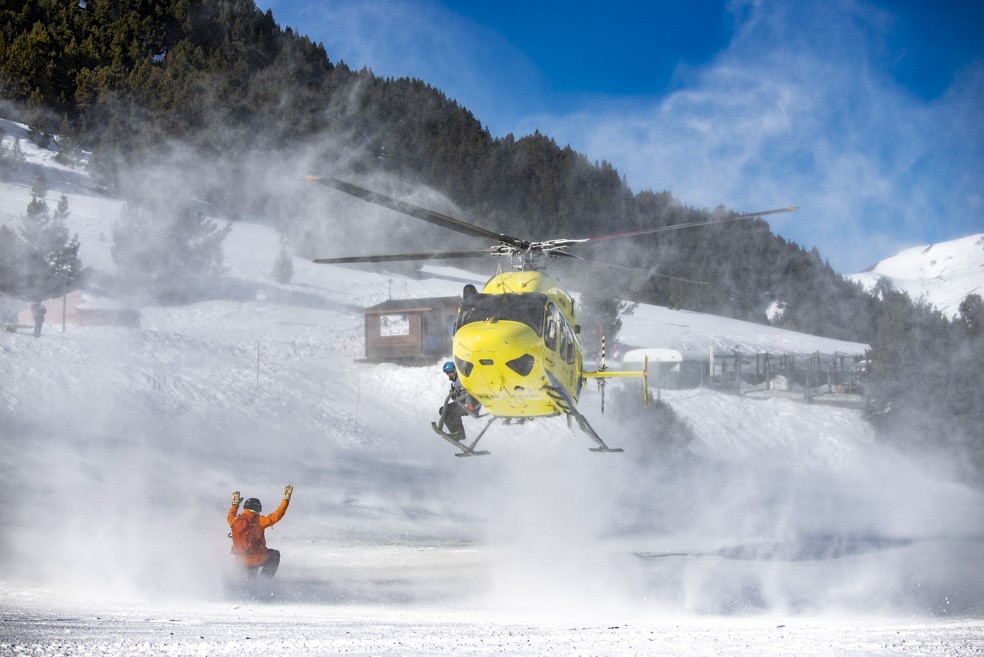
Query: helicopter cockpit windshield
{"points": [[524, 308]]}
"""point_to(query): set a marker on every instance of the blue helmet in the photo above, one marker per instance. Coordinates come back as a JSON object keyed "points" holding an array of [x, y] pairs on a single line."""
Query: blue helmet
{"points": [[448, 367]]}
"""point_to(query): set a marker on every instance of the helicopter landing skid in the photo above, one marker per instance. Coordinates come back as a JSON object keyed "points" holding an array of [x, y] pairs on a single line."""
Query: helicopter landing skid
{"points": [[466, 450], [605, 449]]}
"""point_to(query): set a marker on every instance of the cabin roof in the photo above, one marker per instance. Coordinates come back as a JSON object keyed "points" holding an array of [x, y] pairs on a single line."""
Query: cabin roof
{"points": [[414, 305]]}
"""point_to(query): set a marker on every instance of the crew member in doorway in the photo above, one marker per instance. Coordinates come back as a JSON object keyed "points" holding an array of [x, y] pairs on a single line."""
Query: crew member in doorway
{"points": [[459, 404]]}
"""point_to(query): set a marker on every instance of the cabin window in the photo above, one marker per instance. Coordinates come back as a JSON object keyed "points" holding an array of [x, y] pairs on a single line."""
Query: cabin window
{"points": [[393, 325], [524, 308]]}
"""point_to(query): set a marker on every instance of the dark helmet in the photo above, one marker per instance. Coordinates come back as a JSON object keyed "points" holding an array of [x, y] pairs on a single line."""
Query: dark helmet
{"points": [[448, 367], [253, 504]]}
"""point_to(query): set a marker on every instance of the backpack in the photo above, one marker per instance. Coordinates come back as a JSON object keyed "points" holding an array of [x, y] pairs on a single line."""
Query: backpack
{"points": [[247, 535]]}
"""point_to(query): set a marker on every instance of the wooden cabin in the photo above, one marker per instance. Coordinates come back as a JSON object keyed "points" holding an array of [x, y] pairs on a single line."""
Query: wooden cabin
{"points": [[410, 329]]}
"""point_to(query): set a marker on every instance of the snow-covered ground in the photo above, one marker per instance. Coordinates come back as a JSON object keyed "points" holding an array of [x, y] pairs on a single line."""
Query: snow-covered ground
{"points": [[784, 528], [269, 629]]}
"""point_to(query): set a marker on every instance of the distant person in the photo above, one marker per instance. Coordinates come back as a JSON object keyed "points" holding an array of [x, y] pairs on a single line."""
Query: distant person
{"points": [[38, 311], [459, 404], [248, 527]]}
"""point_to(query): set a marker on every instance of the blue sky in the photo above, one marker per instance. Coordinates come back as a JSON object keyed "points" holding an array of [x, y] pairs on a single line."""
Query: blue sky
{"points": [[867, 115]]}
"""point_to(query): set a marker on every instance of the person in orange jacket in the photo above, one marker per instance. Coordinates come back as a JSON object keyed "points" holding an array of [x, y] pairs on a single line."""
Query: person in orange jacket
{"points": [[248, 533]]}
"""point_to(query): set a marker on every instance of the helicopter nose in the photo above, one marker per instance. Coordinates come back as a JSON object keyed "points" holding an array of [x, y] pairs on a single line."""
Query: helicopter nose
{"points": [[489, 344], [494, 354]]}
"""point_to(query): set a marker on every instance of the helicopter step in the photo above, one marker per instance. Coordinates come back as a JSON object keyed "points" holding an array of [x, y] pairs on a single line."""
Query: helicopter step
{"points": [[466, 450]]}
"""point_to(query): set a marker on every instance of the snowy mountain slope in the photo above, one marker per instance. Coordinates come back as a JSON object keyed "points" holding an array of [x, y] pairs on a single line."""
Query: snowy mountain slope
{"points": [[941, 274], [694, 333], [119, 449]]}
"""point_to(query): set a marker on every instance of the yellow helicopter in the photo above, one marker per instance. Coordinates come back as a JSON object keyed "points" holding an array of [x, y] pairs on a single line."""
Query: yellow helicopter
{"points": [[515, 344]]}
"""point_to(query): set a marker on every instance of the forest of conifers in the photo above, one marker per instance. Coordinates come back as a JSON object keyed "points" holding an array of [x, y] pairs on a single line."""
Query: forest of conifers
{"points": [[127, 79]]}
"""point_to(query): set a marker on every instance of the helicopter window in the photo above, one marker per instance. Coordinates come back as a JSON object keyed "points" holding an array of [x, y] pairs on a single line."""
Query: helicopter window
{"points": [[569, 352], [524, 308], [553, 317]]}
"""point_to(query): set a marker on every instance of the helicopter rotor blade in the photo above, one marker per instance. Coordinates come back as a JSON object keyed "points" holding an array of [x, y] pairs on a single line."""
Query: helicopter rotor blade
{"points": [[690, 224], [507, 245], [650, 272], [431, 217], [398, 257]]}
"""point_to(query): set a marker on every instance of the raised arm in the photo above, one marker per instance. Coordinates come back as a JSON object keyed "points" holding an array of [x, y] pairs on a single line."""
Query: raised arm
{"points": [[234, 509]]}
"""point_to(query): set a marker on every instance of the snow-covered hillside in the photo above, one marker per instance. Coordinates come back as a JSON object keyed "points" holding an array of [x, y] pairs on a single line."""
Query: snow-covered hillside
{"points": [[942, 274], [784, 528]]}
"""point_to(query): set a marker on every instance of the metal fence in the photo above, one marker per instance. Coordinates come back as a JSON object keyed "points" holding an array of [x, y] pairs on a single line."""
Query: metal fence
{"points": [[812, 375]]}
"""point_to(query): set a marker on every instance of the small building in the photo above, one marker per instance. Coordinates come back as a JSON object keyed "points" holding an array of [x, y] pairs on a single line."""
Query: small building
{"points": [[410, 329], [667, 367], [81, 309]]}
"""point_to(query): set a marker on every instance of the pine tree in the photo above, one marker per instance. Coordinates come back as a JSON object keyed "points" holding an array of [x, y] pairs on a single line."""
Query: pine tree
{"points": [[174, 255], [69, 148], [283, 267], [39, 188], [4, 153], [968, 372], [49, 254], [37, 126], [16, 155], [971, 317], [600, 315], [10, 255], [104, 166]]}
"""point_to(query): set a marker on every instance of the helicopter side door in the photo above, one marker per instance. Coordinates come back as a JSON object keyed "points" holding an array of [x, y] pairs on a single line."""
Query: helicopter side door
{"points": [[559, 342], [566, 356]]}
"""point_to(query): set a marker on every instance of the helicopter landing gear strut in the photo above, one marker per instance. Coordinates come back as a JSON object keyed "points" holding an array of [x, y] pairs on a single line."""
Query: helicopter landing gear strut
{"points": [[566, 404], [588, 429]]}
